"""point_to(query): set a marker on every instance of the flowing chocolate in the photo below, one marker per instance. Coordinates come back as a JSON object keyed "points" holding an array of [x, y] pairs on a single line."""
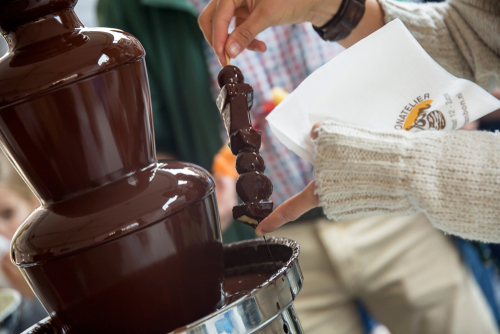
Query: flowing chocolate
{"points": [[252, 187]]}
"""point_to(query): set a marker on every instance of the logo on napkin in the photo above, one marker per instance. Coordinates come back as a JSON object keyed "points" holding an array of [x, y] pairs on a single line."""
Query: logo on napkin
{"points": [[380, 83], [417, 115]]}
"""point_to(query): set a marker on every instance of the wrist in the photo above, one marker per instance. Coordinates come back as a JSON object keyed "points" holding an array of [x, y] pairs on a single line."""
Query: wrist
{"points": [[323, 11], [372, 20]]}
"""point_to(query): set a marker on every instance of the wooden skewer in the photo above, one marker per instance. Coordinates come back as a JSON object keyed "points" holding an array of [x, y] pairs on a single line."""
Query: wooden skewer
{"points": [[228, 60]]}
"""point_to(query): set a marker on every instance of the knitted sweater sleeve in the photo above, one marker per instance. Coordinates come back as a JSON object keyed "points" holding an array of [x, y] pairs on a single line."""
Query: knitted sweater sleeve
{"points": [[461, 35], [453, 177]]}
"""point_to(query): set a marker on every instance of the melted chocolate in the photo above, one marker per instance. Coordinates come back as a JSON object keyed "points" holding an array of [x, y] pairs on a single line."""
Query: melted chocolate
{"points": [[249, 161], [256, 211], [239, 120], [247, 269], [242, 280], [269, 250], [242, 139], [229, 74], [241, 285], [252, 187], [239, 89], [120, 244]]}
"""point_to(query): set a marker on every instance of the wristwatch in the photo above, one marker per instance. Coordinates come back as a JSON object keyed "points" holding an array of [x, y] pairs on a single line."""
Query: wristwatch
{"points": [[343, 22]]}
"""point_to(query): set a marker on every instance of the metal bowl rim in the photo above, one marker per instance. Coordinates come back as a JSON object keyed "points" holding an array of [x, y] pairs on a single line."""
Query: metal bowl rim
{"points": [[240, 244]]}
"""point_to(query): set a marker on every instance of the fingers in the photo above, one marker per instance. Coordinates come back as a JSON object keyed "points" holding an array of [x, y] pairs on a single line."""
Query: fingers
{"points": [[289, 210], [314, 131], [224, 13], [205, 21], [257, 45], [245, 33], [471, 126], [214, 23], [241, 15]]}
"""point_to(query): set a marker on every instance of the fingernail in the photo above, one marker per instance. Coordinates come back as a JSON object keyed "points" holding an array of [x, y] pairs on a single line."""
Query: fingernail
{"points": [[234, 50]]}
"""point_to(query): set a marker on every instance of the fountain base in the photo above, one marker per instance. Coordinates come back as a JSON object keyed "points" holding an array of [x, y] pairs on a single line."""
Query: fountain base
{"points": [[259, 299]]}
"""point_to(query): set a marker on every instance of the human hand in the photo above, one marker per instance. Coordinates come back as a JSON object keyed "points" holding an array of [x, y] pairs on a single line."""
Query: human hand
{"points": [[289, 211], [293, 208], [225, 191], [254, 16], [16, 279], [470, 126]]}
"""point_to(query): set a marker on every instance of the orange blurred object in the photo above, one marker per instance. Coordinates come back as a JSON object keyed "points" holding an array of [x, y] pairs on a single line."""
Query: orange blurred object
{"points": [[224, 162]]}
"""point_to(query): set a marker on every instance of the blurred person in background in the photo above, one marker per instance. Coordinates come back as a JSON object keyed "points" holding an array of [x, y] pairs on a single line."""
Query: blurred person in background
{"points": [[16, 203]]}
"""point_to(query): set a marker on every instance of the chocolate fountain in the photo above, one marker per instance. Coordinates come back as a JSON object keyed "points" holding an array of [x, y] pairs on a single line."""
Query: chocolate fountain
{"points": [[121, 243]]}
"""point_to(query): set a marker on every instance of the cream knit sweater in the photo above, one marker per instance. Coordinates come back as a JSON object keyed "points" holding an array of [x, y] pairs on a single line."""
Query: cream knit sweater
{"points": [[454, 177]]}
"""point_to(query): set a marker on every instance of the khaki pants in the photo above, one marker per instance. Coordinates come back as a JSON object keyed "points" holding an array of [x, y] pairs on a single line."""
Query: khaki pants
{"points": [[407, 273]]}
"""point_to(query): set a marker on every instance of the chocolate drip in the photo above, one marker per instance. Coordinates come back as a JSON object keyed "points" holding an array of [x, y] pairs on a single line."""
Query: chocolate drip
{"points": [[252, 187]]}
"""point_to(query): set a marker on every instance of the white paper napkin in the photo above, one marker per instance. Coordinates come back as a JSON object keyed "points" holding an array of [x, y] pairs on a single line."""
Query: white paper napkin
{"points": [[385, 81]]}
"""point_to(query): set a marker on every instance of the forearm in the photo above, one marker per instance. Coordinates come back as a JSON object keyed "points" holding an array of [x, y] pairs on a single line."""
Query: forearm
{"points": [[460, 35], [372, 20], [456, 181], [454, 177]]}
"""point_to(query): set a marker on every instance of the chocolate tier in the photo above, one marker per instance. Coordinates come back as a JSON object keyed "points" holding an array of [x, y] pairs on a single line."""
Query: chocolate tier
{"points": [[252, 187]]}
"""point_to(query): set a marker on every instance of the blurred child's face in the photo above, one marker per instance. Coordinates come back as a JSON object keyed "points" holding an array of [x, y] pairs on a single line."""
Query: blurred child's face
{"points": [[13, 210]]}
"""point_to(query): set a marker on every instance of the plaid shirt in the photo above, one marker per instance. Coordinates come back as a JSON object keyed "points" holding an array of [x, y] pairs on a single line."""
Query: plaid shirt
{"points": [[293, 52]]}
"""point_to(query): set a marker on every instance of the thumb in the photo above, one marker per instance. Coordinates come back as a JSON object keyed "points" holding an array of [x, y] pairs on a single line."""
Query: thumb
{"points": [[290, 210], [245, 33]]}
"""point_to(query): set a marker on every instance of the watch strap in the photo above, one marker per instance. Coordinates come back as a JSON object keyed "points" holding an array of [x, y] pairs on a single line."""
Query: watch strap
{"points": [[343, 22]]}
